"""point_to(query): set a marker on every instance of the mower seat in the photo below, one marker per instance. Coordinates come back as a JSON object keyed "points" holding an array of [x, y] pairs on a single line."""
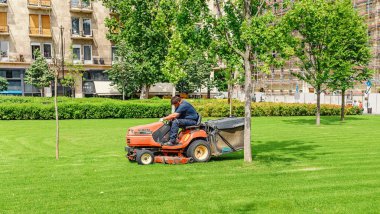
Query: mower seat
{"points": [[199, 123]]}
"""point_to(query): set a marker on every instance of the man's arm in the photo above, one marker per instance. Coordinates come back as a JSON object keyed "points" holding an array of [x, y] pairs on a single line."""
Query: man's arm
{"points": [[171, 116]]}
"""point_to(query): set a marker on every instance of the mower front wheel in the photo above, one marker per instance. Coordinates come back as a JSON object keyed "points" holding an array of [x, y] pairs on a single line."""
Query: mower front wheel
{"points": [[144, 157], [199, 150]]}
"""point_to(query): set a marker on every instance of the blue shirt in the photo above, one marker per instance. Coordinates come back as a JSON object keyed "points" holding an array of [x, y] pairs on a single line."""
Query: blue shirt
{"points": [[186, 111]]}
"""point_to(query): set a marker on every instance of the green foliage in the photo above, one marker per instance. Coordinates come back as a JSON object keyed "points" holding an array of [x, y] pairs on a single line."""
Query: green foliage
{"points": [[186, 64], [350, 48], [198, 69], [173, 66], [123, 75], [39, 73], [330, 39], [144, 33], [3, 84], [74, 74], [68, 81], [20, 108]]}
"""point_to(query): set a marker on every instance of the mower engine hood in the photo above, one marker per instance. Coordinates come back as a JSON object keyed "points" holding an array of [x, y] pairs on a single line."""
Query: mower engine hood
{"points": [[147, 129]]}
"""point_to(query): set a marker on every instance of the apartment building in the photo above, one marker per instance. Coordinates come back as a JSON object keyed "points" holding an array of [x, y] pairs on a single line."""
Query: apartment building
{"points": [[27, 25]]}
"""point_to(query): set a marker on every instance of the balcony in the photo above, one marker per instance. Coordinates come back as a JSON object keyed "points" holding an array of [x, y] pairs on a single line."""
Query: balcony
{"points": [[80, 6], [3, 3], [39, 32], [82, 35], [95, 62], [39, 4], [4, 30]]}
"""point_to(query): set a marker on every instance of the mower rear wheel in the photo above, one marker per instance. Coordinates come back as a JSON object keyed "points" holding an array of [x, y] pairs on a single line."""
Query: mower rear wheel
{"points": [[144, 157], [199, 150]]}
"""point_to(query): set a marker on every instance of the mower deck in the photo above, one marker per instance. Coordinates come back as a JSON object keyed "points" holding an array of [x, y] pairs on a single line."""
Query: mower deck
{"points": [[172, 160]]}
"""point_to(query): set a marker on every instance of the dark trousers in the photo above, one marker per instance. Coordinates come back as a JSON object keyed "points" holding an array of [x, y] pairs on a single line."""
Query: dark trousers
{"points": [[179, 123]]}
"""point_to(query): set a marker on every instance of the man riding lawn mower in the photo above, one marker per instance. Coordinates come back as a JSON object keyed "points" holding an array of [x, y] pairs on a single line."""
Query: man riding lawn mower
{"points": [[160, 142]]}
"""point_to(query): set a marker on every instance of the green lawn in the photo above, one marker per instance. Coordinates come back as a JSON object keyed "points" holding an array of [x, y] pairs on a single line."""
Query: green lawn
{"points": [[297, 168]]}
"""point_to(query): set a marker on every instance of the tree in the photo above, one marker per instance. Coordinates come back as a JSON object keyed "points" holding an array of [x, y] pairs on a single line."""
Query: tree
{"points": [[173, 68], [189, 42], [3, 84], [122, 74], [324, 37], [198, 69], [344, 79], [349, 49], [39, 74], [54, 68], [144, 31], [248, 27], [74, 75]]}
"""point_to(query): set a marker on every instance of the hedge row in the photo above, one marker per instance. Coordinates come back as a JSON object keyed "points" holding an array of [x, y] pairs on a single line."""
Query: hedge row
{"points": [[274, 109], [84, 109], [32, 111]]}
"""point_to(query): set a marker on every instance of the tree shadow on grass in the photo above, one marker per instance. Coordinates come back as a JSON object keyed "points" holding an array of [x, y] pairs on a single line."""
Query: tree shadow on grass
{"points": [[326, 120], [285, 151], [270, 152]]}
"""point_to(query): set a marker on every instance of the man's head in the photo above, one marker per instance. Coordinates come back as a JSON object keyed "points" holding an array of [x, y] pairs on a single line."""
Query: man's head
{"points": [[176, 101]]}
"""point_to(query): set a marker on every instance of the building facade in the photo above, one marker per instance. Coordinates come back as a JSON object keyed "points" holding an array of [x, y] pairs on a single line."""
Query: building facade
{"points": [[27, 25]]}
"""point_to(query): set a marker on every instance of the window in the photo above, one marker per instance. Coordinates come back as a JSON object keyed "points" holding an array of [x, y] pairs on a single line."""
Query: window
{"points": [[3, 22], [87, 27], [85, 4], [87, 52], [14, 85], [95, 76], [35, 46], [76, 53], [45, 21], [75, 26], [47, 51], [74, 3], [34, 24], [113, 52], [4, 49]]}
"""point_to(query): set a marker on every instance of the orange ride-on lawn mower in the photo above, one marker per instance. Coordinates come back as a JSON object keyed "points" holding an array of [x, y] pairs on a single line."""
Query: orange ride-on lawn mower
{"points": [[145, 144]]}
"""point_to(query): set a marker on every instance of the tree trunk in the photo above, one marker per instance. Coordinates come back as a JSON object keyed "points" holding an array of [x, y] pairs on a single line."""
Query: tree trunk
{"points": [[73, 92], [247, 118], [208, 92], [173, 95], [124, 93], [318, 114], [147, 88], [230, 108], [56, 118], [229, 95], [343, 105], [143, 92], [200, 92]]}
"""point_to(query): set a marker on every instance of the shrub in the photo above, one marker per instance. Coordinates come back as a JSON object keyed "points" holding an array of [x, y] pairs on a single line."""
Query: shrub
{"points": [[33, 108]]}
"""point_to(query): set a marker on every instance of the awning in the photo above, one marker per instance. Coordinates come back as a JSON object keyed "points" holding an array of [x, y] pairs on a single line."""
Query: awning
{"points": [[10, 92], [104, 88]]}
